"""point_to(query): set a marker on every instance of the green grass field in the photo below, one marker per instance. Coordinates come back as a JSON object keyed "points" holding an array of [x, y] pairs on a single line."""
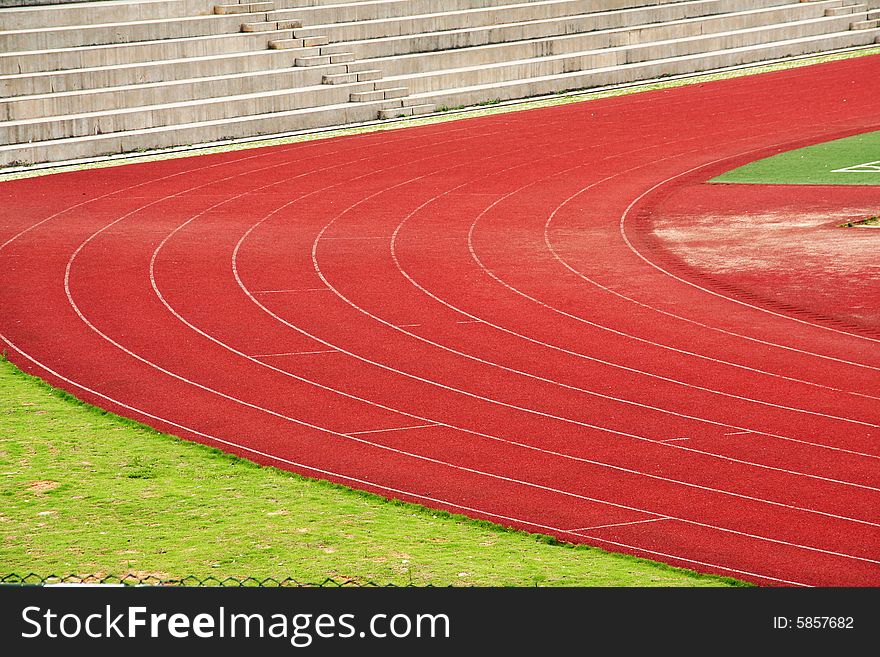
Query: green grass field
{"points": [[851, 161], [85, 492]]}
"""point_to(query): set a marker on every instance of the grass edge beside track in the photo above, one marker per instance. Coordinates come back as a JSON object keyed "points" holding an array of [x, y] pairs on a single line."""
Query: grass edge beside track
{"points": [[152, 506]]}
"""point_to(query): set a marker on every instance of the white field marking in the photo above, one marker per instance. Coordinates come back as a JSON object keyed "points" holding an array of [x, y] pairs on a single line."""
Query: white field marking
{"points": [[620, 524], [415, 426], [469, 321], [307, 289], [632, 248], [297, 353], [407, 325], [370, 484], [688, 320], [867, 167], [416, 456], [738, 433]]}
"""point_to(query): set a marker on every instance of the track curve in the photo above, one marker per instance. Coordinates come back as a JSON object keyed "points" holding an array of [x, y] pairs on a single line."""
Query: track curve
{"points": [[477, 316]]}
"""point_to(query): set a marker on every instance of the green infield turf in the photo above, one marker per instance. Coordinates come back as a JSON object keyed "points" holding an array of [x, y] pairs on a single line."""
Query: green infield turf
{"points": [[850, 161], [85, 492]]}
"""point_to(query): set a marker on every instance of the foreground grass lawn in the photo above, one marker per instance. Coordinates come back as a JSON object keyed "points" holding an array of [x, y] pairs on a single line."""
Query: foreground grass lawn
{"points": [[85, 492]]}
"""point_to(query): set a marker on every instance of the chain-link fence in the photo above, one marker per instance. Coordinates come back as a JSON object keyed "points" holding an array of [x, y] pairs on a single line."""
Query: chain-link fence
{"points": [[33, 579]]}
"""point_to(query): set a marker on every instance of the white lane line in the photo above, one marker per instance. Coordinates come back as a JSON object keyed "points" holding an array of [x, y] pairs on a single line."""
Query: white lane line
{"points": [[738, 433], [407, 325], [469, 321], [244, 288], [297, 353], [620, 524], [421, 457], [669, 440], [370, 484], [187, 172], [607, 328], [415, 426]]}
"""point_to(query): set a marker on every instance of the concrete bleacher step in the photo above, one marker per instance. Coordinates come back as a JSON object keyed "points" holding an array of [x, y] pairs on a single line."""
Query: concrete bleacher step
{"points": [[59, 59], [252, 8], [195, 132], [846, 9], [406, 110], [48, 82], [865, 25], [608, 56], [313, 60], [635, 18], [286, 44], [270, 26], [315, 41], [425, 63], [343, 11], [157, 93], [341, 57], [84, 13], [647, 70], [172, 113], [442, 21], [378, 94], [349, 77], [127, 32]]}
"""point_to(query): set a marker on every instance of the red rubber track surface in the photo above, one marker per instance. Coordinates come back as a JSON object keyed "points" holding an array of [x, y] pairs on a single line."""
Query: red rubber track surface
{"points": [[476, 316]]}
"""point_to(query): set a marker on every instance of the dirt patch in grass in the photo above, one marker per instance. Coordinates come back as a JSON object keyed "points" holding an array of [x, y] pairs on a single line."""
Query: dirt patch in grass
{"points": [[42, 487]]}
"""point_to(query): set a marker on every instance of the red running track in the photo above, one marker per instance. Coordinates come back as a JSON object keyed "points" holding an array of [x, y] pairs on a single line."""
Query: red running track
{"points": [[480, 316]]}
